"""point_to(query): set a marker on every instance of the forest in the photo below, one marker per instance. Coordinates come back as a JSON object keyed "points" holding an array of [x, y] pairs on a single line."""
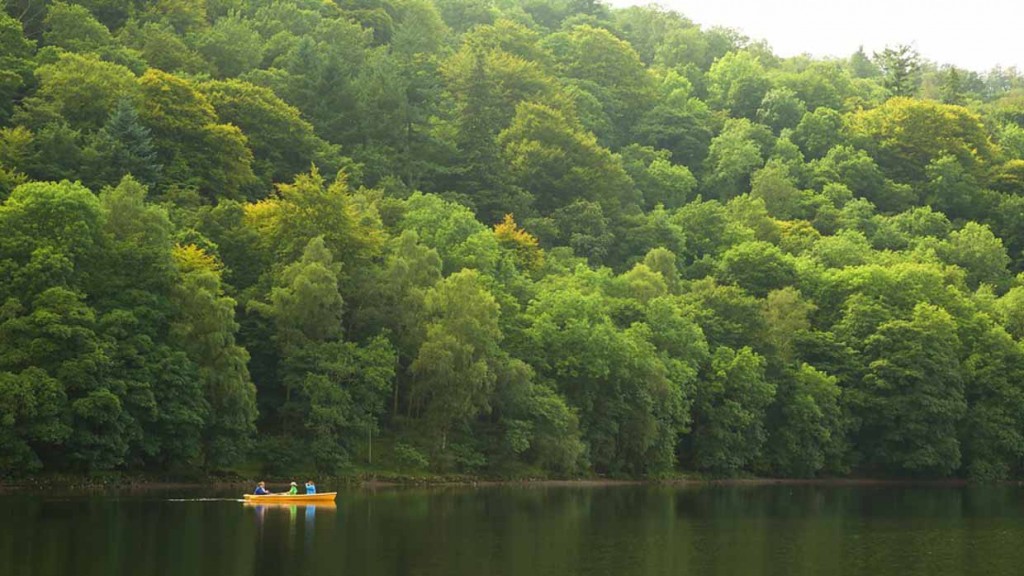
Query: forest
{"points": [[503, 238]]}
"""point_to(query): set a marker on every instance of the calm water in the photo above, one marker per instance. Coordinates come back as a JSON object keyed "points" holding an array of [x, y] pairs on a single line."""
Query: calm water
{"points": [[621, 531]]}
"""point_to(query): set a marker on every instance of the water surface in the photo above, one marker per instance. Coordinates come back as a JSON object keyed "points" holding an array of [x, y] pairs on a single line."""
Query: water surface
{"points": [[529, 531]]}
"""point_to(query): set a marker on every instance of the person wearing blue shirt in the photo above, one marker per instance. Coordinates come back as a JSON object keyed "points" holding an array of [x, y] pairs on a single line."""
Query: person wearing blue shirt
{"points": [[261, 489], [310, 488]]}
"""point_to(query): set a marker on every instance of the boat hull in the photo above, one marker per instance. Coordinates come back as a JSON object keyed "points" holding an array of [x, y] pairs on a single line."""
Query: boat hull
{"points": [[290, 498], [260, 505]]}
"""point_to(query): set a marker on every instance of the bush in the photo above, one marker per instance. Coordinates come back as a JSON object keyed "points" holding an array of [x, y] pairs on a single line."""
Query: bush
{"points": [[409, 457], [282, 455]]}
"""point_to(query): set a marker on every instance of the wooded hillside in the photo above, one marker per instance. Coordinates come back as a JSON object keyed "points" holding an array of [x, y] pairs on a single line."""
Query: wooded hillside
{"points": [[503, 237]]}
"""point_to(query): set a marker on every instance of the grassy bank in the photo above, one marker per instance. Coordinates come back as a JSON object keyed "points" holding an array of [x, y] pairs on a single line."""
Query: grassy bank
{"points": [[372, 479]]}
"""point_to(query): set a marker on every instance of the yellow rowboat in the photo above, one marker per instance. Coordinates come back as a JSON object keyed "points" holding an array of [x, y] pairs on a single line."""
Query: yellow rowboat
{"points": [[290, 498], [259, 504]]}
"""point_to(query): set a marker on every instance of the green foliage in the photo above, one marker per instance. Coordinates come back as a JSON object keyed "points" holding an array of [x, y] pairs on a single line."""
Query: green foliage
{"points": [[409, 457], [657, 178], [912, 395], [455, 366], [980, 253], [758, 267], [112, 13], [774, 185], [502, 238], [451, 229], [307, 306], [556, 161], [124, 146], [231, 45], [952, 190], [684, 131], [80, 90], [194, 149], [729, 412], [183, 16], [737, 83], [780, 109], [905, 135], [161, 48], [818, 132], [307, 208], [283, 144], [900, 68], [857, 171], [73, 27], [609, 69], [806, 424], [821, 84], [205, 329], [15, 63], [733, 156], [631, 409], [343, 395], [30, 416], [993, 431]]}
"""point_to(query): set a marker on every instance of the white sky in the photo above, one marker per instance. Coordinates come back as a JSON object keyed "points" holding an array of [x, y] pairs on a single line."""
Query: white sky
{"points": [[972, 34]]}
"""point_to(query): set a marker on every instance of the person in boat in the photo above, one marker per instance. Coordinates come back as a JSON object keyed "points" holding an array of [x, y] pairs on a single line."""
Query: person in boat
{"points": [[310, 487], [294, 489], [261, 489]]}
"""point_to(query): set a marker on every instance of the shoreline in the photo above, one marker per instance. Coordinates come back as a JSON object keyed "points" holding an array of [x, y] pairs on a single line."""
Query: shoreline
{"points": [[380, 482]]}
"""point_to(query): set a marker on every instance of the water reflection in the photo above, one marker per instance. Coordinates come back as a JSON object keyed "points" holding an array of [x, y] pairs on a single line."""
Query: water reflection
{"points": [[286, 540], [308, 512], [621, 531], [310, 525]]}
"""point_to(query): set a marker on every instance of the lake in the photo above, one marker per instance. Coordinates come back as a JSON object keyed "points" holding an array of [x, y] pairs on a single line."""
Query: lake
{"points": [[519, 531]]}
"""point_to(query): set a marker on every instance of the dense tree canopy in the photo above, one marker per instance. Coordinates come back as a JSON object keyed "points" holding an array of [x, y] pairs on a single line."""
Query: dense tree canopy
{"points": [[513, 238]]}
